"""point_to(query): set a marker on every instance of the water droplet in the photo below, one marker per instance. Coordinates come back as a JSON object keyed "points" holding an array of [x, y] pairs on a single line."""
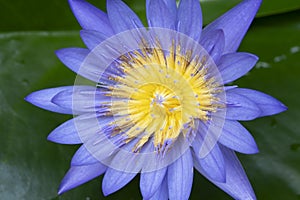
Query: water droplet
{"points": [[280, 58], [262, 64], [294, 49]]}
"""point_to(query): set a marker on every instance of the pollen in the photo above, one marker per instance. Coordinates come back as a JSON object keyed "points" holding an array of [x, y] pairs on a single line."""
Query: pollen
{"points": [[160, 94]]}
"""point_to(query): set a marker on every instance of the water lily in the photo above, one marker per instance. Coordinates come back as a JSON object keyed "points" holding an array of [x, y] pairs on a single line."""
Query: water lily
{"points": [[159, 105]]}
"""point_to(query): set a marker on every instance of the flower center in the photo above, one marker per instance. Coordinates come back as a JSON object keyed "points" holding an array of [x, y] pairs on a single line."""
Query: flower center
{"points": [[160, 94]]}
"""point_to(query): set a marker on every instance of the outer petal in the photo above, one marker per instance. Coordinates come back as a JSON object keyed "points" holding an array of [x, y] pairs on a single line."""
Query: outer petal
{"points": [[121, 17], [180, 177], [213, 163], [81, 99], [90, 17], [66, 133], [114, 180], [235, 23], [92, 38], [237, 184], [159, 15], [236, 137], [83, 157], [214, 44], [77, 175], [235, 65], [189, 18], [240, 107], [151, 181], [162, 191], [267, 104], [43, 99]]}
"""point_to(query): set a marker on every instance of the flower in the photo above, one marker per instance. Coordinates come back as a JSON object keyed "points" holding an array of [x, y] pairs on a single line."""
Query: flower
{"points": [[159, 105]]}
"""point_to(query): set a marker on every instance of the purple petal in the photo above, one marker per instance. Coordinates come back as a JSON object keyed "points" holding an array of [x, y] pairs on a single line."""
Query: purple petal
{"points": [[72, 57], [235, 23], [78, 175], [237, 184], [213, 163], [236, 137], [92, 38], [81, 99], [162, 191], [159, 15], [121, 17], [151, 181], [267, 104], [214, 44], [240, 107], [83, 157], [180, 177], [43, 99], [90, 17], [114, 180], [66, 133], [189, 18], [235, 65]]}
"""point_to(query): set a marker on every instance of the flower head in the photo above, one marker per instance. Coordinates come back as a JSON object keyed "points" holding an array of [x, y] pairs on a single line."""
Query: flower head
{"points": [[159, 104]]}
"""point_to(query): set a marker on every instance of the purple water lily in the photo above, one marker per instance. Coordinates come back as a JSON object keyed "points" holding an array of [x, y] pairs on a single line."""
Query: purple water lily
{"points": [[159, 104]]}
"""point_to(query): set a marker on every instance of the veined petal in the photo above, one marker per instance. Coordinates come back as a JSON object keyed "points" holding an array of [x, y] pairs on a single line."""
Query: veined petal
{"points": [[83, 157], [234, 23], [240, 107], [180, 177], [267, 104], [77, 175], [90, 17], [214, 44], [236, 137], [237, 184], [43, 99], [213, 163], [121, 17], [81, 99], [189, 18], [235, 65], [92, 38], [66, 133], [162, 192], [114, 180], [151, 181], [159, 15]]}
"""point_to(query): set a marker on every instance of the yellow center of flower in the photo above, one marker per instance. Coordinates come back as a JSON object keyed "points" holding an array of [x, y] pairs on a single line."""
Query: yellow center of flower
{"points": [[160, 95]]}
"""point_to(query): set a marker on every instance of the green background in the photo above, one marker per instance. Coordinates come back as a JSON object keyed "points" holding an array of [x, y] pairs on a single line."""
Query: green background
{"points": [[31, 167]]}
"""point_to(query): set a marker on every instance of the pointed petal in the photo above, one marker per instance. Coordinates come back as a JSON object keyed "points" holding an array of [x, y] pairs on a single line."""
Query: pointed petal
{"points": [[162, 191], [90, 17], [237, 184], [235, 23], [235, 65], [267, 104], [214, 44], [121, 17], [83, 157], [213, 163], [237, 138], [159, 15], [66, 133], [81, 99], [240, 108], [78, 175], [92, 38], [151, 181], [180, 177], [43, 99], [114, 180], [189, 18]]}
